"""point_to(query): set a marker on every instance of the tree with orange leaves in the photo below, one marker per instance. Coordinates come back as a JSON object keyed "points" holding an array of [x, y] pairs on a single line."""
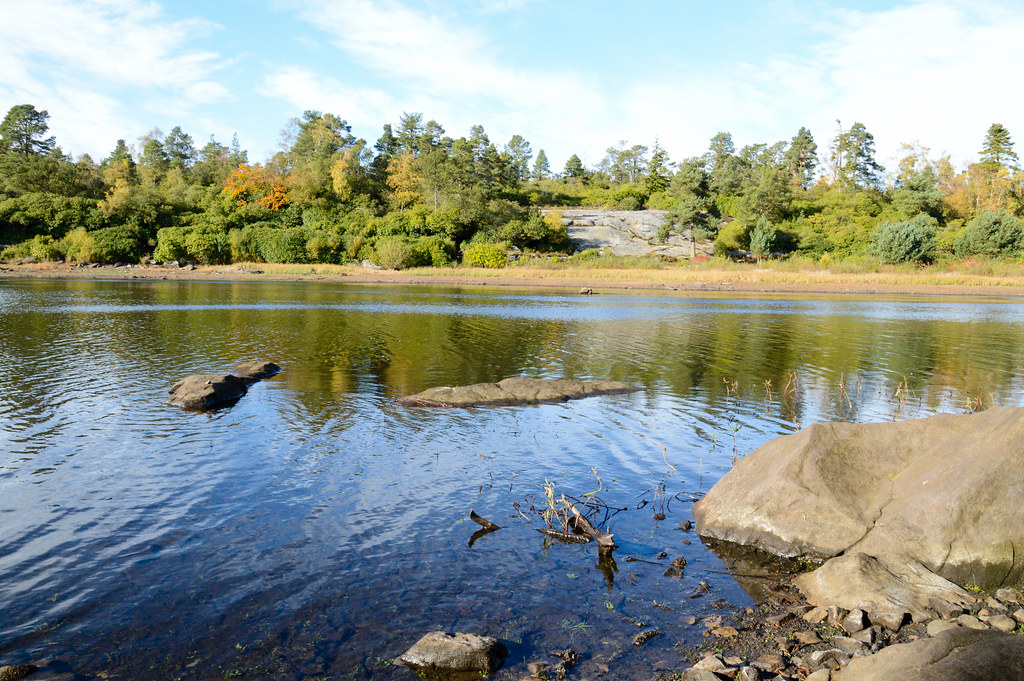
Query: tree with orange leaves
{"points": [[254, 184]]}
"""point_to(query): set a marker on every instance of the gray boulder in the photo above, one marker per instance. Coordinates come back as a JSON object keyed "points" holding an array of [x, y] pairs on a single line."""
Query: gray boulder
{"points": [[943, 491], [204, 391], [455, 657], [513, 391], [954, 655]]}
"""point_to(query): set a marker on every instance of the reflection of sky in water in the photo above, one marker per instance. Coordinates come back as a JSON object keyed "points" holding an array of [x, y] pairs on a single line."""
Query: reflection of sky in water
{"points": [[316, 520]]}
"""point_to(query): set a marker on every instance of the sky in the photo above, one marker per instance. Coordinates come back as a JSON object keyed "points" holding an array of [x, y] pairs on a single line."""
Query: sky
{"points": [[570, 76]]}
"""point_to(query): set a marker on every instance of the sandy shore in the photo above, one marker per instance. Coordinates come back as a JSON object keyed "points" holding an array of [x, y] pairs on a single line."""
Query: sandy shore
{"points": [[749, 281]]}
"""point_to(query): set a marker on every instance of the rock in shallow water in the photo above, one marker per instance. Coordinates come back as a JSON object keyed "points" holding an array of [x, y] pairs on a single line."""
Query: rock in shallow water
{"points": [[204, 391], [513, 391], [455, 657], [944, 491], [16, 672]]}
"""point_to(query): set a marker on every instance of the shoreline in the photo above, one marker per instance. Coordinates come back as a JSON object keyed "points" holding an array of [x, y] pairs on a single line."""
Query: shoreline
{"points": [[750, 281]]}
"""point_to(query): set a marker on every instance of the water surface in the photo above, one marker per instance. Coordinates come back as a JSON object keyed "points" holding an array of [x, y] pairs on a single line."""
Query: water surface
{"points": [[315, 530]]}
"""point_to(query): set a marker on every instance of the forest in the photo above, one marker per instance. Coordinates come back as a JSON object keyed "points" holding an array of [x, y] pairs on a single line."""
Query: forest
{"points": [[420, 197]]}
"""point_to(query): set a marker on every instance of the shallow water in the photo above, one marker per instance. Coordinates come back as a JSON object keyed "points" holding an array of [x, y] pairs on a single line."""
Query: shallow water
{"points": [[315, 530]]}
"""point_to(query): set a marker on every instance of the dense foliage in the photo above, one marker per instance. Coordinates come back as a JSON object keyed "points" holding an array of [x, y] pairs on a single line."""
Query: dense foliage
{"points": [[419, 197]]}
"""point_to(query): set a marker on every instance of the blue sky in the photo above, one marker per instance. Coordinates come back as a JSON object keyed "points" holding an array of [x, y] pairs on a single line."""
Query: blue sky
{"points": [[571, 76]]}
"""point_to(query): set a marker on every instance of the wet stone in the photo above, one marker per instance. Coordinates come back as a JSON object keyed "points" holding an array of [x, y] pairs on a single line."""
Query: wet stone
{"points": [[16, 672]]}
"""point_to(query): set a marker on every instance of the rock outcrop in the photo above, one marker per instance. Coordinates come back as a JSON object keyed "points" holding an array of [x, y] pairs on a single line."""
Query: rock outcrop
{"points": [[627, 232], [255, 371], [455, 657], [954, 655], [944, 491], [513, 391]]}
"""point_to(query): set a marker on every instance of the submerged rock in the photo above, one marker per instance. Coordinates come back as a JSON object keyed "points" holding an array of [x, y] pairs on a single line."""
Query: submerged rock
{"points": [[943, 491], [514, 391], [953, 655], [16, 672], [204, 391], [455, 657]]}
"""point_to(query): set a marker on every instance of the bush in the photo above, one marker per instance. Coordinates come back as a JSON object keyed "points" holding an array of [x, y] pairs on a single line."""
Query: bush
{"points": [[397, 253], [898, 242], [990, 233], [43, 247], [441, 252], [79, 245], [170, 244], [485, 255], [325, 247], [732, 237], [121, 243], [208, 247], [763, 238]]}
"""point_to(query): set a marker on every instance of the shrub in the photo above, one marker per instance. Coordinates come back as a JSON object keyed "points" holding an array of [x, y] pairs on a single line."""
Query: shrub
{"points": [[43, 247], [906, 241], [397, 253], [763, 238], [485, 255], [325, 247], [170, 244], [79, 245], [208, 247], [120, 243], [732, 237], [990, 233], [441, 252]]}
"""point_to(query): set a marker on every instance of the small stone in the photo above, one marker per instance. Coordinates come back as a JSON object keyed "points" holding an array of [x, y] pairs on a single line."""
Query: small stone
{"points": [[936, 627], [748, 674], [867, 636], [679, 563], [1008, 596], [833, 659], [695, 674], [891, 620], [807, 638], [850, 646], [785, 645], [686, 526], [815, 616], [1019, 615], [836, 615], [984, 614], [645, 636], [688, 620], [712, 621], [733, 661], [460, 652], [994, 604], [779, 619], [856, 620], [801, 610], [535, 668], [725, 632], [1003, 623], [944, 608], [711, 663], [971, 622], [16, 672], [586, 291], [769, 663], [820, 675]]}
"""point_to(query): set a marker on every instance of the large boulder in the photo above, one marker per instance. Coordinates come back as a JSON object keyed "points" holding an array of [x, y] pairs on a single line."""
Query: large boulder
{"points": [[455, 657], [944, 491], [204, 391], [513, 391], [954, 655]]}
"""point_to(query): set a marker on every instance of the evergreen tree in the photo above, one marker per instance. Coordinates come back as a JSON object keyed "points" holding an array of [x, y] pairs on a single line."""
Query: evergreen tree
{"points": [[763, 238], [22, 130], [657, 177], [802, 158], [519, 154], [541, 167], [997, 151], [574, 168], [853, 159]]}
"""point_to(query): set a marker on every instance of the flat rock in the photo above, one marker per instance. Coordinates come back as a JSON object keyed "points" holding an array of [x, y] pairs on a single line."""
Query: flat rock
{"points": [[513, 391], [255, 371], [944, 491], [885, 588], [455, 657], [954, 655], [204, 391]]}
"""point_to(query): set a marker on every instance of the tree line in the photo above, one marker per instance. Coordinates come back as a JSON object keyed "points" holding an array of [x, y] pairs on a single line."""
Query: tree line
{"points": [[418, 196]]}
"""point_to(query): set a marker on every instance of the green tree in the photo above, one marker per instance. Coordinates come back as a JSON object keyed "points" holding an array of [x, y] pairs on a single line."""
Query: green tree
{"points": [[658, 168], [180, 149], [694, 208], [22, 132], [997, 151], [906, 241], [853, 159], [802, 158], [574, 168], [763, 238], [991, 233], [541, 167], [519, 154]]}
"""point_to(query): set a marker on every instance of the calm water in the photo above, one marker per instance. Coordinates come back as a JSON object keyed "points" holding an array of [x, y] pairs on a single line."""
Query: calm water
{"points": [[314, 530]]}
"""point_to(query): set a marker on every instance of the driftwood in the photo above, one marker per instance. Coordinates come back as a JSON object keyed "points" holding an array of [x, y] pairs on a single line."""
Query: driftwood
{"points": [[486, 526], [564, 537], [603, 539]]}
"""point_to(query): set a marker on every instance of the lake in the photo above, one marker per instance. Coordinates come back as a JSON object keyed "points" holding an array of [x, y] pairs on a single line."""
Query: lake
{"points": [[315, 530]]}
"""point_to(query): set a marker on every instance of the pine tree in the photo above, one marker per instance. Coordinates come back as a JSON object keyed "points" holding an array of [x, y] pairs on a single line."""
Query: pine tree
{"points": [[541, 167], [997, 151]]}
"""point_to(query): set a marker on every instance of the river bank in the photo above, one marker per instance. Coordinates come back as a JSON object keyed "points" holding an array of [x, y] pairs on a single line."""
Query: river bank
{"points": [[713, 280]]}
